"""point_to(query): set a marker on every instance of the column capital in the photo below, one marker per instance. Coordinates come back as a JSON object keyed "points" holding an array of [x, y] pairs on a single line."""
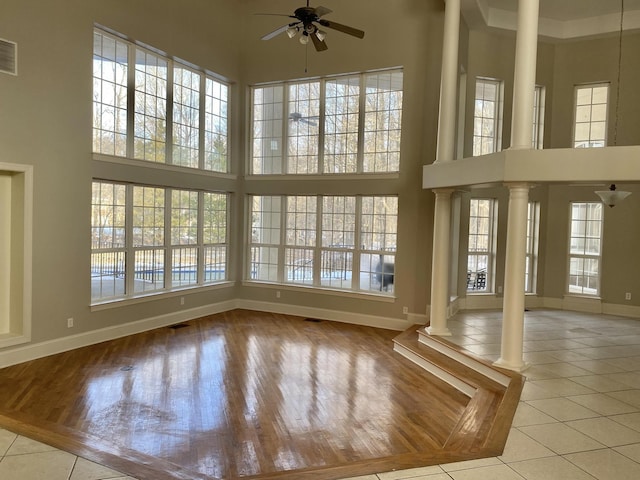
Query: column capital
{"points": [[443, 191]]}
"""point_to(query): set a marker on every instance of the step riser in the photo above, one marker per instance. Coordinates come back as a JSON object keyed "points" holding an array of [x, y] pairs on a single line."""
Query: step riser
{"points": [[452, 380]]}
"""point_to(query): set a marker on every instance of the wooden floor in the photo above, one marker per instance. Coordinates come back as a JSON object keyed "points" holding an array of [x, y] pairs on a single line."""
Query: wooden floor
{"points": [[240, 395]]}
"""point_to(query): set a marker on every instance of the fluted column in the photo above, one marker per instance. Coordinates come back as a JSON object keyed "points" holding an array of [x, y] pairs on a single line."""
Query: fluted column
{"points": [[514, 291], [524, 78], [440, 263]]}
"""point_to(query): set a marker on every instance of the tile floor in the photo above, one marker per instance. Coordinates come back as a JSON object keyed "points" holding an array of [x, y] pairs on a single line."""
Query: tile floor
{"points": [[578, 418]]}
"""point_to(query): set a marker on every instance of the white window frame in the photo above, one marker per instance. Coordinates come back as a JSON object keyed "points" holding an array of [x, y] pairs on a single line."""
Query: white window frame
{"points": [[584, 117], [539, 99], [481, 280], [136, 283], [368, 259], [585, 236], [484, 142], [372, 99], [531, 251], [212, 123]]}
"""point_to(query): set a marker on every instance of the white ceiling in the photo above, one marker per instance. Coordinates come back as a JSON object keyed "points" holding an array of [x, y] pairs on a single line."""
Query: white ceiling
{"points": [[559, 19]]}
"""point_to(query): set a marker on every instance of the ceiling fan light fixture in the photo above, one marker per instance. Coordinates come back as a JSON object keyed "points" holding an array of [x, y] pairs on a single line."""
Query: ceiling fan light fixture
{"points": [[321, 34], [304, 38], [612, 196], [292, 31]]}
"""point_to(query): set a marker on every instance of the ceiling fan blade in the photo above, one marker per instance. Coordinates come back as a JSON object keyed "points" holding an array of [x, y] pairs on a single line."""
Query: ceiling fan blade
{"points": [[341, 28], [320, 45], [321, 11], [278, 31]]}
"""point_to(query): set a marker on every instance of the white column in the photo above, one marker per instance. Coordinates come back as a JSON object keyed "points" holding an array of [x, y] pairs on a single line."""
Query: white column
{"points": [[514, 291], [440, 263], [448, 83], [524, 78]]}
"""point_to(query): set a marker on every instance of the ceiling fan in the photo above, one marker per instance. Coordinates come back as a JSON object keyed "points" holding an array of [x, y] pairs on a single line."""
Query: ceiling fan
{"points": [[307, 22], [296, 117]]}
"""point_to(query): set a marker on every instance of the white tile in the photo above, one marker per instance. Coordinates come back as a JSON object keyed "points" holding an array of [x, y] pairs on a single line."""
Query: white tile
{"points": [[632, 397], [362, 477], [52, 465], [631, 420], [632, 379], [606, 465], [470, 464], [597, 367], [600, 383], [522, 447], [528, 415], [562, 409], [6, 439], [560, 438], [24, 445], [608, 432], [411, 473], [553, 468], [86, 470], [562, 386], [494, 472], [630, 451], [603, 404]]}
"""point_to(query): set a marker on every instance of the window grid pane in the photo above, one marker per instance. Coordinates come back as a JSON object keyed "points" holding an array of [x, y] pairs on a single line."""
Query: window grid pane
{"points": [[382, 122], [343, 259], [303, 131], [215, 130], [148, 216], [150, 117], [186, 117], [352, 140], [148, 270], [184, 266], [585, 246], [184, 217], [590, 129], [480, 247], [268, 112], [110, 59], [341, 125], [486, 115]]}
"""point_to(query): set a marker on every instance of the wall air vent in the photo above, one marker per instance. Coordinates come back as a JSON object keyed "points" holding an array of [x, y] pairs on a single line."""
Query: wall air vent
{"points": [[8, 57]]}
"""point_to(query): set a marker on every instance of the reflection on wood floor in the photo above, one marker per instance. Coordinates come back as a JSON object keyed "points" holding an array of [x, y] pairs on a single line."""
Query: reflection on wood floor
{"points": [[239, 395]]}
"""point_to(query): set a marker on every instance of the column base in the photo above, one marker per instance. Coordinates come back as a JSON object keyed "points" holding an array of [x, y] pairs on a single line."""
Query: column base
{"points": [[440, 332], [514, 366]]}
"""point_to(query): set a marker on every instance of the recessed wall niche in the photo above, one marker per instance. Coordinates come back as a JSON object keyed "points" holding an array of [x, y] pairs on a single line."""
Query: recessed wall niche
{"points": [[16, 214]]}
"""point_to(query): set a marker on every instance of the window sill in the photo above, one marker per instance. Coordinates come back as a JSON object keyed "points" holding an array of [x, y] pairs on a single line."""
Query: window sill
{"points": [[361, 295], [151, 297]]}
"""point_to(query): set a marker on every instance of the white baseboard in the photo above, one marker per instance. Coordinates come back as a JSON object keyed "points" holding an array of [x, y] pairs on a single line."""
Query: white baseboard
{"points": [[325, 314], [51, 347], [29, 352], [417, 318]]}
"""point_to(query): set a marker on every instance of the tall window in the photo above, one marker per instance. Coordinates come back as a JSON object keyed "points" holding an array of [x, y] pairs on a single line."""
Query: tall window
{"points": [[139, 233], [590, 128], [481, 250], [342, 242], [531, 258], [585, 248], [487, 116], [537, 136], [334, 125], [164, 112]]}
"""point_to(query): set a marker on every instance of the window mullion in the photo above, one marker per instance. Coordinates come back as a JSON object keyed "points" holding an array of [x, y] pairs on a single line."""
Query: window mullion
{"points": [[202, 120], [200, 255], [357, 247], [283, 238], [321, 114], [131, 100], [130, 257], [168, 244], [361, 124], [317, 249], [285, 128], [169, 119]]}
